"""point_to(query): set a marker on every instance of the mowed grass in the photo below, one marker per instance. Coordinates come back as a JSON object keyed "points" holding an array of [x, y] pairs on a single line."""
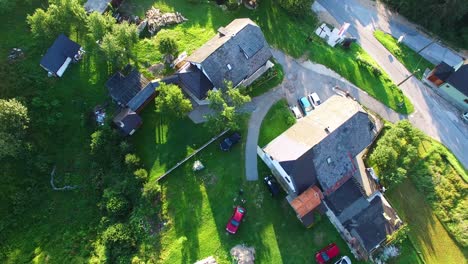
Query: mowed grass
{"points": [[282, 31], [408, 57], [277, 120], [427, 233], [197, 206]]}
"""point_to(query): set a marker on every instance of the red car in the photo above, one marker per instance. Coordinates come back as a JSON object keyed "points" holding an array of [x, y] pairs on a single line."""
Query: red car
{"points": [[327, 253], [235, 220]]}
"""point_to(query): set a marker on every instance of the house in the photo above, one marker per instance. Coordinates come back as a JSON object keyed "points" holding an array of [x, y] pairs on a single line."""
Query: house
{"points": [[452, 83], [131, 91], [316, 163], [59, 56], [238, 53], [100, 6]]}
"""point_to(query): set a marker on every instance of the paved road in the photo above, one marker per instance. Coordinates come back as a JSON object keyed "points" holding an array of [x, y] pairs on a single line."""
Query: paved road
{"points": [[433, 115], [302, 78]]}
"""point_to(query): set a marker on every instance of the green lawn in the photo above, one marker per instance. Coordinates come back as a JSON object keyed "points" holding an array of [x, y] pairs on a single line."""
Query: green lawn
{"points": [[269, 80], [197, 205], [427, 233], [277, 120], [408, 57]]}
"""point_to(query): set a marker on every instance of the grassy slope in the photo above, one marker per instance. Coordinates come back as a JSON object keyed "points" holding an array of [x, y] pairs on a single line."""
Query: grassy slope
{"points": [[427, 232], [275, 122], [408, 57]]}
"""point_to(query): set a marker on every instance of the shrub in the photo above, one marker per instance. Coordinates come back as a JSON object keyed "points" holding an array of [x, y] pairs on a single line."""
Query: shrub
{"points": [[116, 204], [132, 161], [151, 190], [141, 175], [296, 7], [168, 45], [119, 241]]}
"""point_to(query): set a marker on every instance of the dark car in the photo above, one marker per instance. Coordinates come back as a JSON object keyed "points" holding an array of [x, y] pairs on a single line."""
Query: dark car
{"points": [[229, 142], [233, 224], [272, 185], [327, 253]]}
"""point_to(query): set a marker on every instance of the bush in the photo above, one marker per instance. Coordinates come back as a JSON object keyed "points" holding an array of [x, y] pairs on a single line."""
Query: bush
{"points": [[296, 7], [132, 161], [232, 5], [119, 241], [168, 45], [141, 175], [116, 204], [151, 190]]}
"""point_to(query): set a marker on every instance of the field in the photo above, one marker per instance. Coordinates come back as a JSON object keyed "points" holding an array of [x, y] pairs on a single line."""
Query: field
{"points": [[408, 57]]}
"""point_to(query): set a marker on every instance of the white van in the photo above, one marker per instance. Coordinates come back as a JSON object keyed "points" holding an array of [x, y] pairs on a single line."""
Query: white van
{"points": [[314, 99], [296, 112]]}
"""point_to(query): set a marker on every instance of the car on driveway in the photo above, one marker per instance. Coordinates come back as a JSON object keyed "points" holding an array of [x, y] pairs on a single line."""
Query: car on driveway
{"points": [[343, 260], [271, 184], [327, 253], [235, 220], [305, 105], [296, 112], [229, 142], [314, 99]]}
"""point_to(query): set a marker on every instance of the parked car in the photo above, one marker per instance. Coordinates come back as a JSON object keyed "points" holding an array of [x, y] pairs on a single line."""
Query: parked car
{"points": [[305, 105], [327, 253], [272, 185], [235, 220], [229, 142], [296, 112], [343, 260], [314, 99]]}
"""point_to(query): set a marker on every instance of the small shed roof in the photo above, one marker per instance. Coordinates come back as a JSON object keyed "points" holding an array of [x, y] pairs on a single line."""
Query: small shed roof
{"points": [[443, 71], [127, 121], [307, 201], [99, 6], [62, 49]]}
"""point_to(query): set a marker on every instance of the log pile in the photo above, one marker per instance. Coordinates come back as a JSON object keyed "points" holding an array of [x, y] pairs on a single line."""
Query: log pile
{"points": [[155, 19]]}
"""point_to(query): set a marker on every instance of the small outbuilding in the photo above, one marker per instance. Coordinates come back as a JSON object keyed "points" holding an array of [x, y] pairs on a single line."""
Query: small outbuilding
{"points": [[59, 56], [127, 121]]}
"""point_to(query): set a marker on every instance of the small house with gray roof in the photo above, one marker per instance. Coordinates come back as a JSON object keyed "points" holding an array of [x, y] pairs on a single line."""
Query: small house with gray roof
{"points": [[318, 158], [237, 53]]}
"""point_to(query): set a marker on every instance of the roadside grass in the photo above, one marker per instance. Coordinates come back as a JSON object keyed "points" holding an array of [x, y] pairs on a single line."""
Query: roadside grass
{"points": [[431, 200], [281, 30], [277, 120], [408, 57], [197, 205], [427, 233]]}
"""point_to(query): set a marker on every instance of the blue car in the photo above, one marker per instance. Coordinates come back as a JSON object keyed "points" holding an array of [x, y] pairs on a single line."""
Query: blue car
{"points": [[305, 105]]}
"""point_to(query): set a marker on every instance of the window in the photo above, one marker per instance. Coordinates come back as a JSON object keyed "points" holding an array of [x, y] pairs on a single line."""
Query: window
{"points": [[329, 160], [229, 67]]}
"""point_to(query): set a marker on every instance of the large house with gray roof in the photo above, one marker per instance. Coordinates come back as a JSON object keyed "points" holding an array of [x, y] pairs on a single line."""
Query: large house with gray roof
{"points": [[318, 163], [238, 53]]}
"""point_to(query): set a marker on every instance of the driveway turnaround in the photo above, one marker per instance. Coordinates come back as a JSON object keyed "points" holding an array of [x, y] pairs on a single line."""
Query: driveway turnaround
{"points": [[433, 115]]}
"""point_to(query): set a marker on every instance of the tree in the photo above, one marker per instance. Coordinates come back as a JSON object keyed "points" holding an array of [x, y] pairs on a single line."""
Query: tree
{"points": [[296, 7], [14, 121], [58, 18], [99, 25], [226, 104], [167, 46], [119, 240], [172, 101], [118, 43]]}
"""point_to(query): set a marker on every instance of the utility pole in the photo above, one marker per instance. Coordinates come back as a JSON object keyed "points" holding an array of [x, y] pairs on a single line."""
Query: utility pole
{"points": [[417, 70], [430, 43]]}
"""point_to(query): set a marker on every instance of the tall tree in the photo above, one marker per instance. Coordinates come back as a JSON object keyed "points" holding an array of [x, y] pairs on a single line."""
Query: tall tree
{"points": [[14, 121], [98, 25], [172, 101], [117, 44], [225, 104]]}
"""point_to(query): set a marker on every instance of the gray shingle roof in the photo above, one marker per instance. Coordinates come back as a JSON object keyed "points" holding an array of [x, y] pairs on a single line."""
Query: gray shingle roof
{"points": [[372, 224], [459, 79], [310, 154], [241, 45], [123, 88]]}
